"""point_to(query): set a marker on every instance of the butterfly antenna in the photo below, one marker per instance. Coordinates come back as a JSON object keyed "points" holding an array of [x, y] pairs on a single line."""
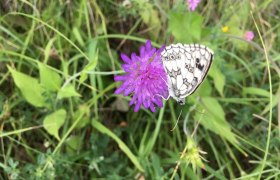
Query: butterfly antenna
{"points": [[177, 121], [162, 96], [164, 81]]}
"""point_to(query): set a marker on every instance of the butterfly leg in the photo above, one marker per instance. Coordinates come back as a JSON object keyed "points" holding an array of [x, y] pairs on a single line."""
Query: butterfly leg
{"points": [[181, 101]]}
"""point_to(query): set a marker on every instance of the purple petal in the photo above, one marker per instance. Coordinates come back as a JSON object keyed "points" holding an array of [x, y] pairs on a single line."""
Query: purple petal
{"points": [[152, 107], [125, 58], [128, 91], [120, 78], [133, 57], [122, 87], [193, 4], [126, 67], [160, 49], [137, 107], [249, 35], [158, 102], [142, 51], [147, 104], [152, 51], [165, 94], [118, 91], [148, 45], [132, 100]]}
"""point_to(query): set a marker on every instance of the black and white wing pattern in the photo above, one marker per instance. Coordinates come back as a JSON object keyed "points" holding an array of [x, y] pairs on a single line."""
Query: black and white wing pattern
{"points": [[186, 67]]}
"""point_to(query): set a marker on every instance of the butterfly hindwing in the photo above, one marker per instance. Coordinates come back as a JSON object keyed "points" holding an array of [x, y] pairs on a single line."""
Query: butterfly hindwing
{"points": [[186, 67]]}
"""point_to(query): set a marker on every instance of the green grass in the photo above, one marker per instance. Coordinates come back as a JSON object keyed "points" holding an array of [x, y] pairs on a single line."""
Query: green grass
{"points": [[60, 118]]}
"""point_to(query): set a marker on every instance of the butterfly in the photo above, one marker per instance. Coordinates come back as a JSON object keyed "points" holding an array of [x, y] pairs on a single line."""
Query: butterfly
{"points": [[186, 66]]}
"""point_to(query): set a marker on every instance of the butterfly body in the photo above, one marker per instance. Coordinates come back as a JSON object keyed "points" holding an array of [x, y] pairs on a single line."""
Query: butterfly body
{"points": [[186, 67]]}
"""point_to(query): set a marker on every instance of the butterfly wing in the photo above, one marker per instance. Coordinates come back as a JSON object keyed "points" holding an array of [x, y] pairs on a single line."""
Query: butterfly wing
{"points": [[186, 67]]}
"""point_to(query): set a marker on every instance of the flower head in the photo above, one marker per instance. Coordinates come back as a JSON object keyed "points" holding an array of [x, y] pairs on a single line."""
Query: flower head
{"points": [[145, 78], [193, 4], [193, 154], [249, 35], [225, 29]]}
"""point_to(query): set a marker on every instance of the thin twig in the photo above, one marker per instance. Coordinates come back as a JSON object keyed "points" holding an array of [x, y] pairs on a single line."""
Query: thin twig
{"points": [[177, 121], [279, 116], [270, 100]]}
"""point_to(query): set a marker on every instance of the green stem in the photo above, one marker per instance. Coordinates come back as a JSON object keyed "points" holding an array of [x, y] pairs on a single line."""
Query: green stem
{"points": [[270, 101]]}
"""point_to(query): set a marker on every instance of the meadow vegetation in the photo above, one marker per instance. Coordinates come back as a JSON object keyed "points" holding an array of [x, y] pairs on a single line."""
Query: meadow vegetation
{"points": [[60, 118]]}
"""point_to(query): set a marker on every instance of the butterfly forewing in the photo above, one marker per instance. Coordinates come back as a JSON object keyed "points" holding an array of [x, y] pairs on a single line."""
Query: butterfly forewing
{"points": [[186, 67]]}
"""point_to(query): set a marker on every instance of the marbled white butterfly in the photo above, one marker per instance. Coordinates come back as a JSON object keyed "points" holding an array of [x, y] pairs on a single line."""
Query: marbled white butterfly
{"points": [[186, 67]]}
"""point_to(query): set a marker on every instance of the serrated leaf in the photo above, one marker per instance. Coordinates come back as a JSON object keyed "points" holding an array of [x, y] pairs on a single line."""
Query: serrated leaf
{"points": [[54, 121], [186, 27], [67, 91], [150, 18], [49, 79], [29, 87]]}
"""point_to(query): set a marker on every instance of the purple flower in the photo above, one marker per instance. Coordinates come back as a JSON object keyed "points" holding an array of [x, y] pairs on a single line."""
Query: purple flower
{"points": [[144, 77], [193, 4], [249, 35]]}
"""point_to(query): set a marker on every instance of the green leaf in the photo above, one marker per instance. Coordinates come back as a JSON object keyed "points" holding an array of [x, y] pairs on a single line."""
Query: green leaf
{"points": [[93, 57], [47, 51], [214, 119], [84, 111], [54, 121], [219, 79], [92, 54], [73, 144], [274, 102], [236, 24], [255, 91], [186, 27], [150, 18], [98, 126], [29, 87], [204, 89], [68, 91], [49, 79], [78, 36]]}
